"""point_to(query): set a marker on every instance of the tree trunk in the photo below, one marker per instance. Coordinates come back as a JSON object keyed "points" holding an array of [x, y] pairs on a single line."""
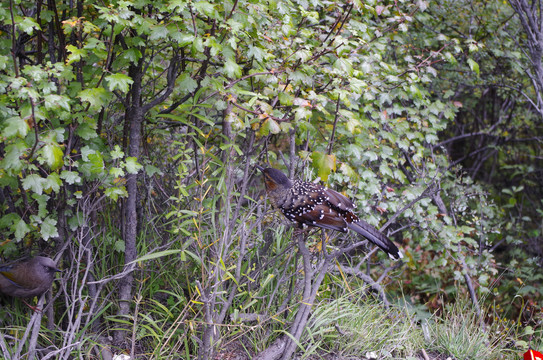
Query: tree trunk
{"points": [[134, 116]]}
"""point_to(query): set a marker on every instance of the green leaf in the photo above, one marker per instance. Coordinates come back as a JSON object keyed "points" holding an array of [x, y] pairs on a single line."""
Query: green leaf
{"points": [[132, 166], [87, 131], [151, 170], [187, 83], [185, 39], [269, 126], [41, 200], [132, 54], [302, 113], [28, 25], [53, 182], [231, 69], [86, 151], [97, 163], [116, 172], [48, 228], [97, 97], [528, 330], [257, 53], [344, 65], [12, 159], [21, 229], [155, 255], [324, 164], [286, 99], [71, 177], [385, 170], [75, 54], [158, 32], [15, 127], [473, 66], [33, 182], [115, 192], [54, 101], [116, 153], [53, 156], [205, 7], [119, 81], [371, 155], [347, 170], [119, 246]]}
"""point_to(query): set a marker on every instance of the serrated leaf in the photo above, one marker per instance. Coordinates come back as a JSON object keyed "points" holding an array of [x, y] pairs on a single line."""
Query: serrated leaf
{"points": [[75, 54], [302, 113], [116, 172], [86, 131], [97, 163], [158, 32], [269, 126], [54, 101], [116, 153], [33, 182], [231, 69], [85, 152], [204, 7], [119, 246], [97, 97], [234, 25], [151, 170], [371, 155], [52, 182], [257, 53], [187, 83], [132, 166], [132, 54], [21, 229], [185, 39], [347, 170], [15, 127], [119, 81], [48, 228], [344, 65], [42, 204], [115, 192], [385, 170], [53, 156], [71, 177], [286, 99], [28, 25]]}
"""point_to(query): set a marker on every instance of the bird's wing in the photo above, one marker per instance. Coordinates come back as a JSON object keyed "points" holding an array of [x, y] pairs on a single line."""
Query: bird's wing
{"points": [[339, 201], [5, 272], [321, 216]]}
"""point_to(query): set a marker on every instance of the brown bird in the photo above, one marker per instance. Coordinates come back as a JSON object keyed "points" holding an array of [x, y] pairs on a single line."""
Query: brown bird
{"points": [[28, 278], [310, 204]]}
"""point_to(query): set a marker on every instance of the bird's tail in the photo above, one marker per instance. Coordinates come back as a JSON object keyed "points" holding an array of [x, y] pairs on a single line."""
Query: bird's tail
{"points": [[376, 237]]}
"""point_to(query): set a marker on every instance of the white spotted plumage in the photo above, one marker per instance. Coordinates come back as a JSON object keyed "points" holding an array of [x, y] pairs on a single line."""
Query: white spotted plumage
{"points": [[310, 204]]}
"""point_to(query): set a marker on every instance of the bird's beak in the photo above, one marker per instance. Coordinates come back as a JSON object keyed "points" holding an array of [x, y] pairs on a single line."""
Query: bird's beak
{"points": [[259, 167]]}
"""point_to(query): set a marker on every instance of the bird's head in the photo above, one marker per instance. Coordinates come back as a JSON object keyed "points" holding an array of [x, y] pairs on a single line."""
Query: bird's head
{"points": [[274, 178], [45, 264]]}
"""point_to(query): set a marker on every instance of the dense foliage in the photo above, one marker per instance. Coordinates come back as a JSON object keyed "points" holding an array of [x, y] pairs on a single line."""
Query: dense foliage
{"points": [[129, 134]]}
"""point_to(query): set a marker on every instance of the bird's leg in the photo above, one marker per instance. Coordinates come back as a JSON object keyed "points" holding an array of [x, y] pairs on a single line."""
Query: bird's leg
{"points": [[33, 308]]}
